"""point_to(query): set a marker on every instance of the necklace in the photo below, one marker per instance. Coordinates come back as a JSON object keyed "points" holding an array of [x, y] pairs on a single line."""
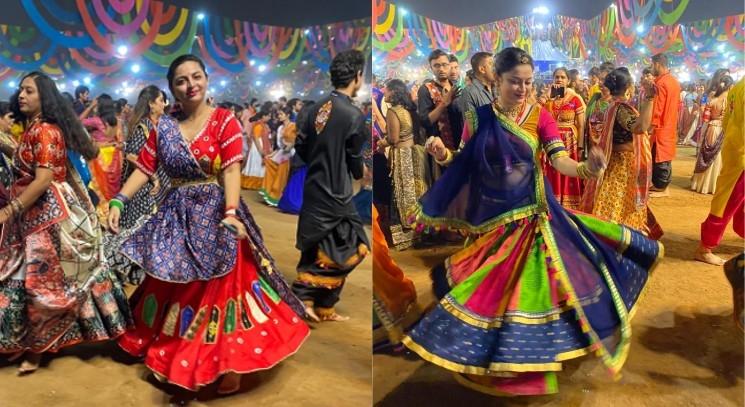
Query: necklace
{"points": [[513, 113]]}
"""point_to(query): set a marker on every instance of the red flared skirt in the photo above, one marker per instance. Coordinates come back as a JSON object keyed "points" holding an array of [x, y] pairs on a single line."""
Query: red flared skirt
{"points": [[195, 332]]}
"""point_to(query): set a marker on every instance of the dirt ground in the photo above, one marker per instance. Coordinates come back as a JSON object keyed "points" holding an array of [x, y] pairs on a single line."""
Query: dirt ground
{"points": [[686, 350], [332, 368]]}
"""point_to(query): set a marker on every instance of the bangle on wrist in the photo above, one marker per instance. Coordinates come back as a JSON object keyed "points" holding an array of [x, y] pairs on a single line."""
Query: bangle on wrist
{"points": [[121, 197], [116, 203]]}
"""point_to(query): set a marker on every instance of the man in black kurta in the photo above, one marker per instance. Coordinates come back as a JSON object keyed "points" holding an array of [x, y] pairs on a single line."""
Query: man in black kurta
{"points": [[330, 234]]}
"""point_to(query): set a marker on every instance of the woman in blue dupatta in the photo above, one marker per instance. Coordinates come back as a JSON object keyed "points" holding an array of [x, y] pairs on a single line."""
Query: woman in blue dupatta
{"points": [[212, 303], [536, 284]]}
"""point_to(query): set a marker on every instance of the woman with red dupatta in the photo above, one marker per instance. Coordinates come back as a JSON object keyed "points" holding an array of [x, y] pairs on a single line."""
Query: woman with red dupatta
{"points": [[621, 194]]}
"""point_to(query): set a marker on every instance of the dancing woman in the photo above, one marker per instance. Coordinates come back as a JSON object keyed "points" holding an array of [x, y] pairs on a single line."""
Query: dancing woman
{"points": [[622, 192], [55, 290], [708, 157], [212, 302], [277, 163], [147, 112], [406, 159], [538, 284], [569, 111]]}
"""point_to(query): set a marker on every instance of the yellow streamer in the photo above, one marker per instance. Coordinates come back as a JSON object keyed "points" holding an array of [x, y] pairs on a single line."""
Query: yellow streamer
{"points": [[383, 28], [169, 37], [284, 54]]}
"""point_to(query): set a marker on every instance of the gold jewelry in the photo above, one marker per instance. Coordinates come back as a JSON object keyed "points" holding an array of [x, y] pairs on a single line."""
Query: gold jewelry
{"points": [[582, 171], [511, 113]]}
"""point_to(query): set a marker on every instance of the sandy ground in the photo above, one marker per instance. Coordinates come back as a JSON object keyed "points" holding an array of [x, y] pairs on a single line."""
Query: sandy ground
{"points": [[686, 350], [332, 368]]}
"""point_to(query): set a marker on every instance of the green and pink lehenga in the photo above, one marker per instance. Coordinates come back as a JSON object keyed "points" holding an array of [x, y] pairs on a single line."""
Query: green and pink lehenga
{"points": [[537, 284]]}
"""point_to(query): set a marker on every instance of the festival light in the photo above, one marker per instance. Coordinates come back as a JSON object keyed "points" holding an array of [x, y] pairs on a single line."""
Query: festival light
{"points": [[403, 11], [277, 93], [321, 92], [122, 50], [540, 10], [307, 31], [135, 68], [589, 52], [262, 68], [258, 83], [87, 80], [720, 47], [223, 83], [695, 47], [200, 16], [640, 28], [539, 26], [252, 62], [76, 83], [12, 84], [305, 62], [642, 50]]}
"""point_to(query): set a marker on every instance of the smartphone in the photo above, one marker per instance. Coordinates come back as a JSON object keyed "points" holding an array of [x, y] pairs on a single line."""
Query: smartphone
{"points": [[557, 92]]}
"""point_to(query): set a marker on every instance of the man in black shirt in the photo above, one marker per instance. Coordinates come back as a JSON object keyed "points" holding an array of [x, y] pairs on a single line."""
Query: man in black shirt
{"points": [[330, 234], [82, 97]]}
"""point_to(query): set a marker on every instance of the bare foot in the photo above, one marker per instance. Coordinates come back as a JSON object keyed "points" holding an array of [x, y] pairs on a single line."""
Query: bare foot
{"points": [[230, 384], [706, 256], [310, 314], [30, 364], [334, 318]]}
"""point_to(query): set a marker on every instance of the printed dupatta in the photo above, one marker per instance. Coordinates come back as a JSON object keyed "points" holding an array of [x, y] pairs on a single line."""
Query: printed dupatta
{"points": [[642, 161]]}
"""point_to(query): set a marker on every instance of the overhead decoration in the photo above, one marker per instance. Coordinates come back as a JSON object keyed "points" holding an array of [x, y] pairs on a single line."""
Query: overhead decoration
{"points": [[624, 33], [135, 40]]}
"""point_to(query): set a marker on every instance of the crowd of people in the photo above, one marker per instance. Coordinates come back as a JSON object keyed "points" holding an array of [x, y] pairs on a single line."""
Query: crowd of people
{"points": [[546, 185], [96, 194]]}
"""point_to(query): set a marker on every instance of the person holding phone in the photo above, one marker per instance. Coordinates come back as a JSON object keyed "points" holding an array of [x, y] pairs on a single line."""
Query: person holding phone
{"points": [[568, 109]]}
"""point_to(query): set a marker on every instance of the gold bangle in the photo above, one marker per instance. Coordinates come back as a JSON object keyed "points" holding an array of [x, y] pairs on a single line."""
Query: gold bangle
{"points": [[447, 159], [582, 171]]}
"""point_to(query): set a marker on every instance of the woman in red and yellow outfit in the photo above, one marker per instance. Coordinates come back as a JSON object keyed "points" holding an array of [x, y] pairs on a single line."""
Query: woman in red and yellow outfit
{"points": [[569, 113]]}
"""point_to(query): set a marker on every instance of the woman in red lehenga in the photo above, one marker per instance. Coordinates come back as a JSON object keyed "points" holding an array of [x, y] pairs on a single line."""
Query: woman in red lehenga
{"points": [[569, 113], [212, 302]]}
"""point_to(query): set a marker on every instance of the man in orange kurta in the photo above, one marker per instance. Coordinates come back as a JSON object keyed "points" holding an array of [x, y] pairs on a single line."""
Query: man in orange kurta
{"points": [[665, 125]]}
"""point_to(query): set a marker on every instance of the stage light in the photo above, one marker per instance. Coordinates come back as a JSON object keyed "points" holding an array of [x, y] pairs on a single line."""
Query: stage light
{"points": [[321, 92], [305, 62], [62, 86], [212, 90], [87, 80], [640, 28], [76, 83], [252, 62], [732, 58], [135, 68], [258, 83], [540, 10], [642, 50], [12, 84], [262, 68], [277, 93], [122, 50], [720, 47], [539, 26], [589, 52], [125, 84], [306, 32], [403, 11], [223, 83], [200, 16]]}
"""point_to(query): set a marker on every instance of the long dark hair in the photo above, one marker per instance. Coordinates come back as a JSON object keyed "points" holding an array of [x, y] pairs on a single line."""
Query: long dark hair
{"points": [[725, 82], [400, 96], [55, 109], [142, 107], [716, 79]]}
